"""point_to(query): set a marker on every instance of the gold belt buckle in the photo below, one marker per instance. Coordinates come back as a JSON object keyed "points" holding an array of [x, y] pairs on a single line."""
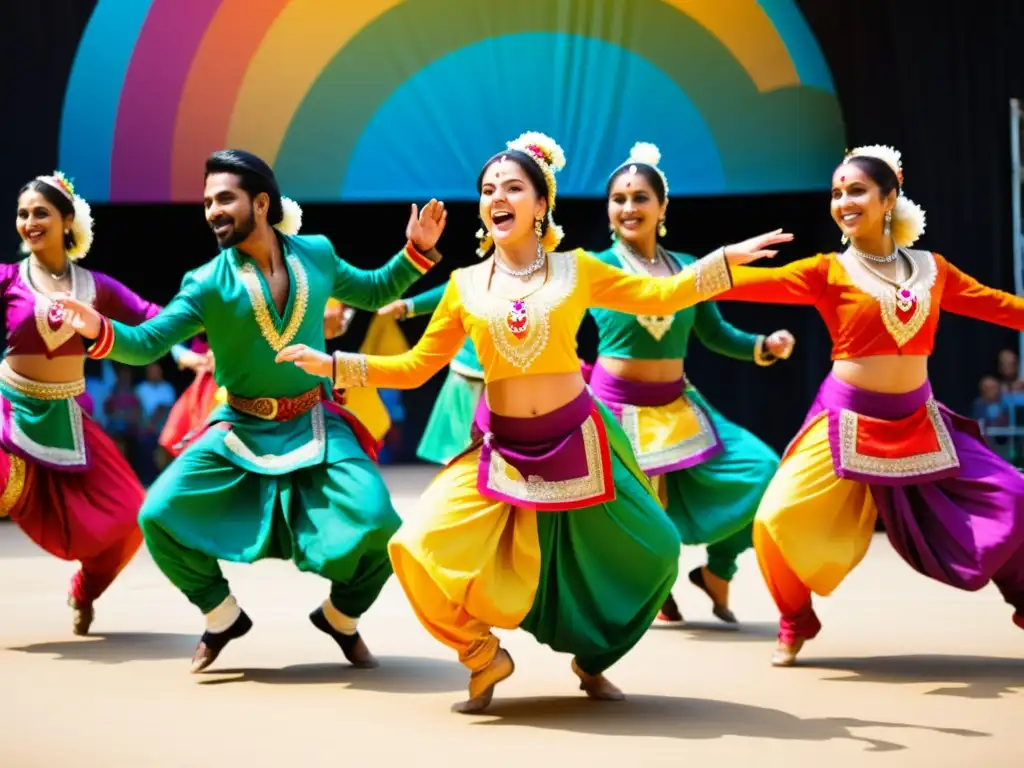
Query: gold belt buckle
{"points": [[265, 408]]}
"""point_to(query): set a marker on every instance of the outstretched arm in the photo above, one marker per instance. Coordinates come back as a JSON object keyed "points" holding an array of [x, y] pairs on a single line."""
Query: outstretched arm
{"points": [[799, 282], [963, 295], [409, 370], [118, 302], [141, 344], [615, 289]]}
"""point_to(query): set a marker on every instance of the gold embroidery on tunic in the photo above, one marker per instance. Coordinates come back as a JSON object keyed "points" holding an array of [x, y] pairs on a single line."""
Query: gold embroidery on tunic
{"points": [[904, 466], [539, 306], [351, 370], [922, 278], [40, 390], [83, 288], [712, 275], [505, 479], [261, 310], [15, 484]]}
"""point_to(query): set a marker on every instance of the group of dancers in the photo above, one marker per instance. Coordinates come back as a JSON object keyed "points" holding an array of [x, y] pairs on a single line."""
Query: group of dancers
{"points": [[567, 488]]}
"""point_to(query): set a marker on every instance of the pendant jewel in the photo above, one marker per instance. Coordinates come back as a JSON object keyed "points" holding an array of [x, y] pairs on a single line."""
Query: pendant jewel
{"points": [[517, 320], [906, 299], [55, 315]]}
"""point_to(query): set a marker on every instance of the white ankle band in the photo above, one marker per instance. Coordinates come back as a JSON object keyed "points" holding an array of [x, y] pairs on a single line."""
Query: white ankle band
{"points": [[223, 616], [338, 620]]}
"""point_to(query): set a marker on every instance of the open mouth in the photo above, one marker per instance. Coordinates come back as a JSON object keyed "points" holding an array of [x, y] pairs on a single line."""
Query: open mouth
{"points": [[34, 236], [221, 226], [849, 219], [502, 221], [631, 222]]}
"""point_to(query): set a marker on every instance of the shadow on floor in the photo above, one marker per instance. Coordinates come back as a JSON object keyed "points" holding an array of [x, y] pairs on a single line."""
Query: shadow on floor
{"points": [[969, 677], [679, 718], [396, 674], [718, 632], [118, 647]]}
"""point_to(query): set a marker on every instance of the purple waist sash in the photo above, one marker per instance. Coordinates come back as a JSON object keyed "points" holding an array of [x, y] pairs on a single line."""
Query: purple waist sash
{"points": [[668, 430], [887, 439], [555, 462]]}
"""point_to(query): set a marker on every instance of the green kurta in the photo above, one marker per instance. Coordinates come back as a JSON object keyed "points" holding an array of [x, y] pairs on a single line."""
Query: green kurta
{"points": [[250, 488], [712, 502], [447, 433]]}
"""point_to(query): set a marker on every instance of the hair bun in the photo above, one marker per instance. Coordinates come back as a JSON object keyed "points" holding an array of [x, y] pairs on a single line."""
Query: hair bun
{"points": [[646, 153]]}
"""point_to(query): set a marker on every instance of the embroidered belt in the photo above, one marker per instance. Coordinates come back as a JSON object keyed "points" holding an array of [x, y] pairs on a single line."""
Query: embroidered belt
{"points": [[40, 390], [276, 408]]}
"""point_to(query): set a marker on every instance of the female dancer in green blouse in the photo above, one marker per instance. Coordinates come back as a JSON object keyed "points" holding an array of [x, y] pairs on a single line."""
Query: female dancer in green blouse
{"points": [[709, 472]]}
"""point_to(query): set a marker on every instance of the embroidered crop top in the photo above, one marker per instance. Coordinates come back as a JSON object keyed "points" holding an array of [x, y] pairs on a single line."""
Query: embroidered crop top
{"points": [[533, 334], [866, 314], [34, 326], [666, 337]]}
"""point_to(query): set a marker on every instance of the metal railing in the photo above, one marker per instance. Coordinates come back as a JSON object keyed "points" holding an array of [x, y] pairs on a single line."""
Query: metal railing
{"points": [[1016, 124]]}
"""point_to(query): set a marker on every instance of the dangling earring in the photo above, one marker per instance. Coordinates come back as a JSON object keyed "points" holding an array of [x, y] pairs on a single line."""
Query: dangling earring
{"points": [[67, 231], [888, 223], [845, 239], [485, 241], [662, 231], [612, 233], [537, 228]]}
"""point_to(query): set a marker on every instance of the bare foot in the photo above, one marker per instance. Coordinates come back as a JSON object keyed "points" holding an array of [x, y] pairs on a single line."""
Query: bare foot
{"points": [[82, 615], [482, 682], [597, 687], [715, 588], [785, 654]]}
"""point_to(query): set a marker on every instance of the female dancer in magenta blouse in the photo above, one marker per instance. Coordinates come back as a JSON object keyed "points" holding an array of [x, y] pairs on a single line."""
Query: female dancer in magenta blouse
{"points": [[875, 441], [62, 479], [547, 523], [709, 472]]}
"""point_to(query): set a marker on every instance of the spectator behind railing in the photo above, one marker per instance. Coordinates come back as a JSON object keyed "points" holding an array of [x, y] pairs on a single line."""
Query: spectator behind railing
{"points": [[992, 409]]}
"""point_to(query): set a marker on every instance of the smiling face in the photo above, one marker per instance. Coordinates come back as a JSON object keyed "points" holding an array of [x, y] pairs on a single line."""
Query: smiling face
{"points": [[39, 223], [230, 211], [633, 207], [858, 205], [509, 202]]}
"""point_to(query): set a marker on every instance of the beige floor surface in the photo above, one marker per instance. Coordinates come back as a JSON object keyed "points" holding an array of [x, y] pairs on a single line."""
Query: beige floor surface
{"points": [[906, 673]]}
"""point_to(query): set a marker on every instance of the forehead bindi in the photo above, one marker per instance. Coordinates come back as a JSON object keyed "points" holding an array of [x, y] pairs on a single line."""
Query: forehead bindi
{"points": [[632, 183], [503, 172]]}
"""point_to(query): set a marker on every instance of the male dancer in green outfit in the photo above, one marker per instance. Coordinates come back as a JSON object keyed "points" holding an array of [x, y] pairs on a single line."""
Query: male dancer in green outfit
{"points": [[281, 470]]}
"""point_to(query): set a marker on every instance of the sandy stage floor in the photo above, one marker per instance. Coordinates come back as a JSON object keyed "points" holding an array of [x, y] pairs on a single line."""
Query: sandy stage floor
{"points": [[906, 673]]}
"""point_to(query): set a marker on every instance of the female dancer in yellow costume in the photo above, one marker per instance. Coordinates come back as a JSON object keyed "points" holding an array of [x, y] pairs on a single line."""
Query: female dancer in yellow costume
{"points": [[876, 442], [547, 522]]}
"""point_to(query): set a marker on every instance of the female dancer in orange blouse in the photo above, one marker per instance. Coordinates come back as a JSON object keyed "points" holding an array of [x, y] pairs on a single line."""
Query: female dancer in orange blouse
{"points": [[876, 442]]}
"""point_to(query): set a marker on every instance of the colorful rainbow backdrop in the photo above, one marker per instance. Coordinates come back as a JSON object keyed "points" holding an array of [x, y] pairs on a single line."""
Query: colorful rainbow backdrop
{"points": [[391, 100]]}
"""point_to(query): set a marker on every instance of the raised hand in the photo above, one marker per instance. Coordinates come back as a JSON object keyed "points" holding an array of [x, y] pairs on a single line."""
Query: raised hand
{"points": [[396, 309], [755, 248], [780, 344], [425, 227], [82, 317], [308, 359]]}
